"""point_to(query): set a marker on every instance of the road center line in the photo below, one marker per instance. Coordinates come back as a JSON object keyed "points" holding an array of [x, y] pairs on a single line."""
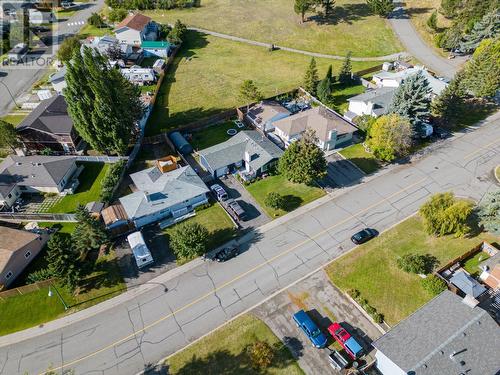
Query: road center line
{"points": [[209, 294]]}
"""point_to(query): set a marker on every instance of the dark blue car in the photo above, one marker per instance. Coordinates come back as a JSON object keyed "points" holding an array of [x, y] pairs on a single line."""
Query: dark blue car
{"points": [[310, 328]]}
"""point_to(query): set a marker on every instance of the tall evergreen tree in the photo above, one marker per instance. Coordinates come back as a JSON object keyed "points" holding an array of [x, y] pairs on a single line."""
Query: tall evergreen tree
{"points": [[488, 27], [449, 106], [482, 71], [89, 233], [345, 74], [249, 92], [324, 89], [411, 99], [327, 6], [302, 7], [311, 78], [381, 7], [432, 21], [63, 261], [8, 135], [103, 105]]}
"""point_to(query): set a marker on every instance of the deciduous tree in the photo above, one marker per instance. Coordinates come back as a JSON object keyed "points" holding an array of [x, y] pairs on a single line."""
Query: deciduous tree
{"points": [[390, 137], [117, 15], [311, 78], [8, 135], [177, 34], [249, 92], [188, 239], [482, 71], [301, 7], [275, 200], [261, 355]]}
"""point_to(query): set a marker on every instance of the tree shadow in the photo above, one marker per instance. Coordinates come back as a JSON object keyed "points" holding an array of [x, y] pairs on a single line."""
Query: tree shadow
{"points": [[294, 345], [292, 202], [347, 13]]}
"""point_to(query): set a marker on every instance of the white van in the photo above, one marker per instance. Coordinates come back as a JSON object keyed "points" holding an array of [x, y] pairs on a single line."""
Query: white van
{"points": [[141, 252]]}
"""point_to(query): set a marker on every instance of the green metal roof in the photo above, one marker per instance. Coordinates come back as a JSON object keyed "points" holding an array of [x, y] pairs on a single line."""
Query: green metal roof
{"points": [[155, 44]]}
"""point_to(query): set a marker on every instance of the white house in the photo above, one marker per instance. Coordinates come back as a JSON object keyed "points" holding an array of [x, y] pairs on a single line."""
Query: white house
{"points": [[163, 193], [331, 129], [263, 114], [373, 102], [394, 79], [58, 80], [135, 29], [138, 75]]}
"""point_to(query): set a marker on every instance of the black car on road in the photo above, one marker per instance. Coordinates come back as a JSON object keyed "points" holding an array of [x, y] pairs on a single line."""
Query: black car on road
{"points": [[364, 235], [226, 254]]}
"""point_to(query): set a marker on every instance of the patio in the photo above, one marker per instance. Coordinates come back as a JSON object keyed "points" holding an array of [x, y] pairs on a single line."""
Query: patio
{"points": [[37, 203]]}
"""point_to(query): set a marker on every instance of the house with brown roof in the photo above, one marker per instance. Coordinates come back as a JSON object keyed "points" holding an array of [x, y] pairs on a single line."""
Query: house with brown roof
{"points": [[263, 114], [17, 249], [332, 130], [135, 29]]}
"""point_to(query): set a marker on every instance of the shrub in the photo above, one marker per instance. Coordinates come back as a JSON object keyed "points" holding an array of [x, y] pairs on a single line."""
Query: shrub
{"points": [[417, 263], [354, 293], [117, 15], [261, 354], [96, 20], [433, 284], [189, 239], [432, 21], [274, 200], [40, 275], [110, 180]]}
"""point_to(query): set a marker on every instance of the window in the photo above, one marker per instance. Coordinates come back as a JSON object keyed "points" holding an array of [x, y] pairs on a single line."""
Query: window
{"points": [[8, 275], [27, 255]]}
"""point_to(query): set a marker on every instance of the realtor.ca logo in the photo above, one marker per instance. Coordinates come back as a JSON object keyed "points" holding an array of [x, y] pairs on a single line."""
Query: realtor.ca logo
{"points": [[30, 32]]}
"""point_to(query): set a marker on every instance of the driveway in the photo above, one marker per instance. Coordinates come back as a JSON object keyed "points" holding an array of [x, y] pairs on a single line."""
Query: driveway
{"points": [[256, 215], [340, 173], [325, 304]]}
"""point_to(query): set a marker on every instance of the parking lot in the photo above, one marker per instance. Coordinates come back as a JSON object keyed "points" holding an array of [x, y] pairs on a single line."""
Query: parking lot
{"points": [[325, 304], [340, 173]]}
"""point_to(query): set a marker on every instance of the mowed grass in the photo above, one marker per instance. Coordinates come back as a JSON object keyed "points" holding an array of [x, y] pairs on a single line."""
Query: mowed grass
{"points": [[351, 27], [295, 195], [212, 135], [340, 94], [371, 268], [218, 223], [224, 351], [88, 190], [361, 158], [205, 78], [14, 118]]}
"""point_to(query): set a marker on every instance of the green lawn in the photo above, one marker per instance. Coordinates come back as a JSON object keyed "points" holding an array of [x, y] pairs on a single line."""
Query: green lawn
{"points": [[224, 352], [64, 14], [359, 156], [88, 190], [471, 265], [212, 135], [351, 27], [205, 77], [341, 93], [218, 223], [296, 195], [35, 308], [89, 30], [371, 268], [14, 118]]}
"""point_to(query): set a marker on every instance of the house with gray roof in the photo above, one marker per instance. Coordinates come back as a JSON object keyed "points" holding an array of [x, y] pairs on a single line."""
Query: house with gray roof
{"points": [[49, 126], [467, 284], [249, 152], [35, 174], [160, 194], [394, 79], [444, 337], [373, 102]]}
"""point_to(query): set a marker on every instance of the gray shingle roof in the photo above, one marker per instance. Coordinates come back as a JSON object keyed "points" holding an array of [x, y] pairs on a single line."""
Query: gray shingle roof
{"points": [[39, 171], [58, 76], [467, 284], [381, 97], [424, 342], [261, 149], [50, 116], [158, 191]]}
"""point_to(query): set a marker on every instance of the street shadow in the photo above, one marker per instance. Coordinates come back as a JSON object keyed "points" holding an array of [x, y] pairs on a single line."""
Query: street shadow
{"points": [[347, 13]]}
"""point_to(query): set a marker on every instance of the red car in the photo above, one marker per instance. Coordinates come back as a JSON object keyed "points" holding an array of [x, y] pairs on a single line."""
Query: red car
{"points": [[344, 338]]}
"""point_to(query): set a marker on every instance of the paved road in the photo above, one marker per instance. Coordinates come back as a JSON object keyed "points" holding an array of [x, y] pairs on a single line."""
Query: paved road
{"points": [[143, 326], [419, 49], [19, 79]]}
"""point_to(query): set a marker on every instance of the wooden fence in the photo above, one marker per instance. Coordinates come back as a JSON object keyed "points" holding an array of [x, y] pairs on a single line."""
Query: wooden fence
{"points": [[483, 246], [25, 289]]}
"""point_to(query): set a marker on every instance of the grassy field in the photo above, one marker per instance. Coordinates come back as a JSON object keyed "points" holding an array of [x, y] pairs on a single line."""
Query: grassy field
{"points": [[14, 118], [35, 308], [219, 67], [89, 30], [88, 190], [351, 27], [296, 195], [224, 352], [359, 156], [218, 223], [372, 269], [212, 135], [340, 94]]}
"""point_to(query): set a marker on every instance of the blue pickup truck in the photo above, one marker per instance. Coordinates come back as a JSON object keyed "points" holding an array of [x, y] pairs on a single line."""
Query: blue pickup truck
{"points": [[310, 328]]}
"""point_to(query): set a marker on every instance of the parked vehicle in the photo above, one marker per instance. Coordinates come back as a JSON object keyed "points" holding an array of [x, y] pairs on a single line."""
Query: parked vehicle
{"points": [[337, 360], [141, 252], [344, 338], [364, 235], [236, 209], [226, 253], [314, 334], [219, 192]]}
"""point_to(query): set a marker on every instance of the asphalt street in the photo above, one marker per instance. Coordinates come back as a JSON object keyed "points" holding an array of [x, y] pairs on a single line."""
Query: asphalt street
{"points": [[173, 312], [19, 78]]}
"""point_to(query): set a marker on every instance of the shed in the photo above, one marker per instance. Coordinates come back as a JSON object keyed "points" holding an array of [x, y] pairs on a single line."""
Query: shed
{"points": [[180, 143], [467, 284]]}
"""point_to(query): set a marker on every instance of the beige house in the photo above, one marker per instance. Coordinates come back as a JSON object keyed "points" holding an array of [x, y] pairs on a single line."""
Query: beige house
{"points": [[331, 129], [17, 249], [135, 29]]}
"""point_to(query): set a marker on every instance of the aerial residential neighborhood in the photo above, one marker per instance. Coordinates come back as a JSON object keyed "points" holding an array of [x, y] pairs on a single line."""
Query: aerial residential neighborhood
{"points": [[250, 187]]}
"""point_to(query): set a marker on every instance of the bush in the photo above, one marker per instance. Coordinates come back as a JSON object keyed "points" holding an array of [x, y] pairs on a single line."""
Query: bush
{"points": [[111, 179], [354, 293], [40, 275], [363, 302], [274, 200], [432, 21], [433, 284], [189, 239], [96, 20], [117, 15], [261, 354], [416, 263]]}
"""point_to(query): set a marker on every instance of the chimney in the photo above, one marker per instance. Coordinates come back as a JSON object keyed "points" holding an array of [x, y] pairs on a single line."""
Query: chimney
{"points": [[248, 158]]}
